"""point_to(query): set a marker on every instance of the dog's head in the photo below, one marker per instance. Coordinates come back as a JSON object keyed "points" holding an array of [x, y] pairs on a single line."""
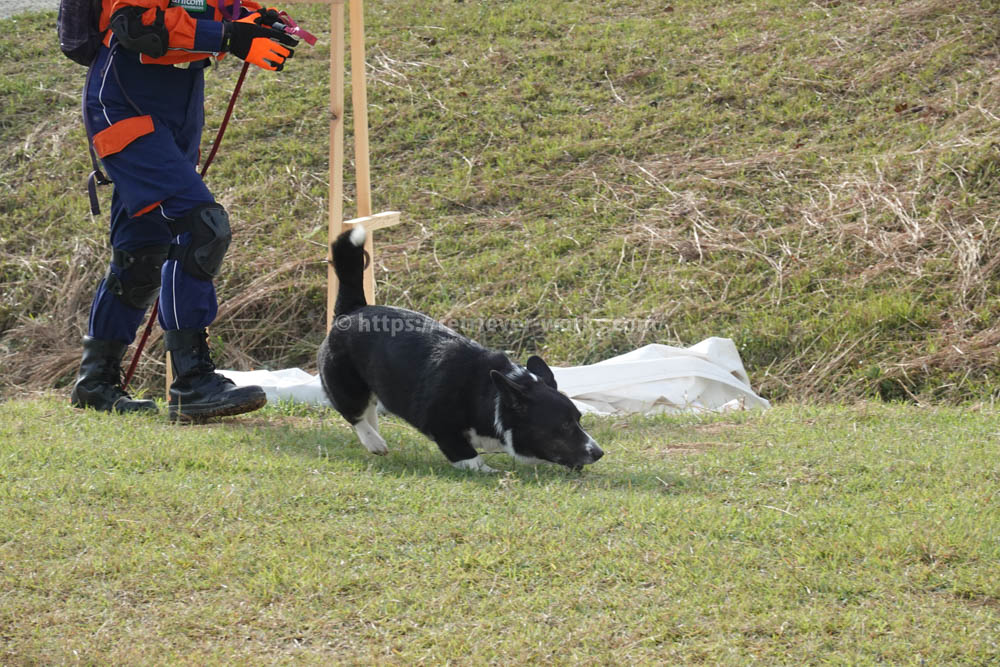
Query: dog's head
{"points": [[538, 423]]}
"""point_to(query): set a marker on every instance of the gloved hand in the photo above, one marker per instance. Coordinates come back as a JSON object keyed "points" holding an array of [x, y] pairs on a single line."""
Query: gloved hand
{"points": [[258, 44], [263, 16]]}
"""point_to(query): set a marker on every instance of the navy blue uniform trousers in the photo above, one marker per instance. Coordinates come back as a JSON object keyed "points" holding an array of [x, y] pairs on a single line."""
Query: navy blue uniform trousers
{"points": [[155, 180]]}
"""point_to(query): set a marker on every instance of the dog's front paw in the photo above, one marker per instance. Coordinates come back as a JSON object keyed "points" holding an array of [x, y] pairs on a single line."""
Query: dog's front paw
{"points": [[370, 438], [379, 448], [475, 463]]}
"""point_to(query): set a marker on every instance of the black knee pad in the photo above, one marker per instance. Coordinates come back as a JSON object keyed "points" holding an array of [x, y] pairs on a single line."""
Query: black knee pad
{"points": [[208, 226], [139, 282]]}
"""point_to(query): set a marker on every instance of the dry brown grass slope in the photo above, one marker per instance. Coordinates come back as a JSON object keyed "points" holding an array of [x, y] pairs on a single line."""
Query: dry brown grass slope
{"points": [[817, 181]]}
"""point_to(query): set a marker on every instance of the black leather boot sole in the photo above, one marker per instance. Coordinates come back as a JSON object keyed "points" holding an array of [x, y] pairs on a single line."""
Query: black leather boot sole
{"points": [[233, 402]]}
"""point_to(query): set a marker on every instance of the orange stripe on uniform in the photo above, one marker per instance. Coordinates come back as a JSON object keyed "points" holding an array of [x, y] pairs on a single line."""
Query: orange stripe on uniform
{"points": [[144, 211], [115, 138]]}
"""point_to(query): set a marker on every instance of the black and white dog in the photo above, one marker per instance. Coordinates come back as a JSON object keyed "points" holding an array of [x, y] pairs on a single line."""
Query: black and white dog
{"points": [[458, 393]]}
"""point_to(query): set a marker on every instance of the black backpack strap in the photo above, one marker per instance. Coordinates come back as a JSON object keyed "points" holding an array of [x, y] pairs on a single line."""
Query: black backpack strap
{"points": [[96, 176]]}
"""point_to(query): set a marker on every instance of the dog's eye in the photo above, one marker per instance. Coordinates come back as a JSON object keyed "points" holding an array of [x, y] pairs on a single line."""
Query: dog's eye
{"points": [[569, 425]]}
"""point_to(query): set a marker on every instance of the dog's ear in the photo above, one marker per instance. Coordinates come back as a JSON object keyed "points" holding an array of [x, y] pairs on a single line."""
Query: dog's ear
{"points": [[537, 366], [512, 392]]}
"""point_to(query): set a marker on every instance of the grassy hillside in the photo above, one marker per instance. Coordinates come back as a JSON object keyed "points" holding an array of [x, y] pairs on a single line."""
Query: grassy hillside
{"points": [[817, 181], [796, 536]]}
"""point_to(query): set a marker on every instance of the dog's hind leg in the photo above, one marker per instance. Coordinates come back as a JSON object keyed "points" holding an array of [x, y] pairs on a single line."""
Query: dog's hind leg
{"points": [[352, 398], [367, 430]]}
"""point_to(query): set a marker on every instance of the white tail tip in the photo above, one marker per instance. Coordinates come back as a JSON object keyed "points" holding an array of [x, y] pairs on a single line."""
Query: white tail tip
{"points": [[358, 235]]}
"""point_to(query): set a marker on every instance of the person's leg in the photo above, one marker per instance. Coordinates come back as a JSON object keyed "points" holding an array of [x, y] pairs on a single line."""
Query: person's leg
{"points": [[188, 306], [140, 247], [167, 233], [139, 155]]}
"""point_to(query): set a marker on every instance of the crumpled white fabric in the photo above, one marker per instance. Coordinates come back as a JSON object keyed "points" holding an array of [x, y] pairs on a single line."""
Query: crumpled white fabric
{"points": [[707, 377], [655, 379]]}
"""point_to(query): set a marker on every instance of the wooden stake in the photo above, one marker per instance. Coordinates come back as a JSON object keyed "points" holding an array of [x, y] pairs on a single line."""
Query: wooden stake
{"points": [[359, 105], [336, 221]]}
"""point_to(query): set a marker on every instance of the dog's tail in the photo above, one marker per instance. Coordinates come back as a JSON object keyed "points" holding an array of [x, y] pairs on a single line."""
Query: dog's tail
{"points": [[349, 259]]}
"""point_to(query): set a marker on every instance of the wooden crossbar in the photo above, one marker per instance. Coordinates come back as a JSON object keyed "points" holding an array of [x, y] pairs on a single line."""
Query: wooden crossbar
{"points": [[377, 221], [371, 223]]}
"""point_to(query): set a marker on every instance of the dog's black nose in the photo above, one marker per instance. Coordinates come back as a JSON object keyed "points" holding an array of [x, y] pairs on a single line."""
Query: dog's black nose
{"points": [[595, 452]]}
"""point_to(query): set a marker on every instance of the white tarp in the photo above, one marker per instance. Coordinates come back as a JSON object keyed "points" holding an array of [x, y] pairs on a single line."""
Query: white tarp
{"points": [[708, 376], [653, 379]]}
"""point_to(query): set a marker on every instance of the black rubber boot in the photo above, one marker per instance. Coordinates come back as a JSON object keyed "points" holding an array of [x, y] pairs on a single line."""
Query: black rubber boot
{"points": [[99, 384], [198, 392]]}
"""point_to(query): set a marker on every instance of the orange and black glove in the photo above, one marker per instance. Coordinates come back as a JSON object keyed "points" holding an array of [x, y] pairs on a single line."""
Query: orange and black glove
{"points": [[258, 44]]}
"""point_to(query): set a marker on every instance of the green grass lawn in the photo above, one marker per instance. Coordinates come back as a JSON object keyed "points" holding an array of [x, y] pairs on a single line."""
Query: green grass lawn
{"points": [[839, 534], [815, 180]]}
